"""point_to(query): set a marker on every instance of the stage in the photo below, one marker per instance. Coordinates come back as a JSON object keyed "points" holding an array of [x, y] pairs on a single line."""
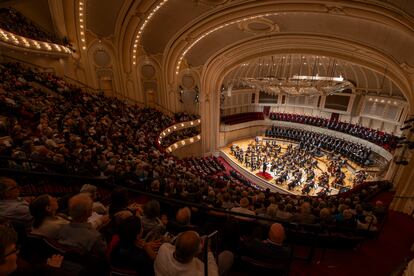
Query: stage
{"points": [[267, 179]]}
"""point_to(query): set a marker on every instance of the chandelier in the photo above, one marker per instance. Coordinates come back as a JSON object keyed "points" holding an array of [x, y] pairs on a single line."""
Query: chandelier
{"points": [[293, 75], [298, 85]]}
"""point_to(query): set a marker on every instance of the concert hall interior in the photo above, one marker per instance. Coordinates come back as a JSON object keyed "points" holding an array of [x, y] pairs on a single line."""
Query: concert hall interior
{"points": [[206, 137]]}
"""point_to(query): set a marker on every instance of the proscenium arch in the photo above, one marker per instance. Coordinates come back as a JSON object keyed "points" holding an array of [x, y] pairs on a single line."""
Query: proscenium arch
{"points": [[222, 62], [371, 12]]}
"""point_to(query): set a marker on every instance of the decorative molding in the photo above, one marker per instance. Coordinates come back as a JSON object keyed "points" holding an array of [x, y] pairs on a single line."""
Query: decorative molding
{"points": [[15, 41], [407, 68], [337, 10]]}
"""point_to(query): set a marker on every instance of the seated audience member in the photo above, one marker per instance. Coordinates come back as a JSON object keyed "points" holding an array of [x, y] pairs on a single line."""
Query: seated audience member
{"points": [[8, 250], [132, 252], [367, 223], [13, 207], [119, 205], [97, 207], [305, 215], [379, 210], [181, 259], [79, 233], [8, 258], [283, 212], [182, 222], [347, 220], [244, 209], [152, 225], [45, 221], [270, 249]]}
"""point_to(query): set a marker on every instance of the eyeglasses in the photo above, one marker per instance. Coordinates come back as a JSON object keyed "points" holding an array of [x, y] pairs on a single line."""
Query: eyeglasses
{"points": [[16, 250]]}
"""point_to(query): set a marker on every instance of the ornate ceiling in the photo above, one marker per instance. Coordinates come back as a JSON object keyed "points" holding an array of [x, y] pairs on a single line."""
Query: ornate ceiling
{"points": [[186, 34]]}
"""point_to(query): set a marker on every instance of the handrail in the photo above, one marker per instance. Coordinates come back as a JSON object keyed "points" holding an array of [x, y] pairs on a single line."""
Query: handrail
{"points": [[163, 109], [79, 83], [46, 69], [111, 183]]}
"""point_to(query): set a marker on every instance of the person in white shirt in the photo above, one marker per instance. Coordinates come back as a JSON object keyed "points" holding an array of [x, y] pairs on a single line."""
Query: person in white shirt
{"points": [[181, 260]]}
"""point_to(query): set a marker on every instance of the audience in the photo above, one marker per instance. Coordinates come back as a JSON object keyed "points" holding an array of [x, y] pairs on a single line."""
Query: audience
{"points": [[79, 233], [181, 259], [305, 215], [152, 225], [13, 21], [132, 252], [45, 221], [11, 205], [92, 135], [244, 209], [8, 250], [97, 207], [272, 248]]}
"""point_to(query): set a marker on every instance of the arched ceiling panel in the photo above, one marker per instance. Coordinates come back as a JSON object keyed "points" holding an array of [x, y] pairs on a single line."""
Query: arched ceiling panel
{"points": [[101, 16], [391, 41], [201, 52], [173, 16]]}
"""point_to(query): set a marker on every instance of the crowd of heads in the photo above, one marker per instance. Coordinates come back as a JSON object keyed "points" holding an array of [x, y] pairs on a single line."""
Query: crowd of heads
{"points": [[313, 141], [103, 136], [15, 22], [180, 135], [386, 140]]}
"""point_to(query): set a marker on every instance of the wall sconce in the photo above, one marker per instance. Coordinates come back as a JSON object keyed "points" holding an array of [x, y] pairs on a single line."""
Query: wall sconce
{"points": [[181, 89], [197, 96]]}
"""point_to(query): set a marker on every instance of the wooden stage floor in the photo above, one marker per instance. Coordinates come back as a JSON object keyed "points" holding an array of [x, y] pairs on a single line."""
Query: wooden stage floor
{"points": [[323, 164]]}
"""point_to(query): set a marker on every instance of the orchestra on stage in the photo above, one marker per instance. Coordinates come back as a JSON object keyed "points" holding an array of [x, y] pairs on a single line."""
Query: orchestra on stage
{"points": [[296, 166]]}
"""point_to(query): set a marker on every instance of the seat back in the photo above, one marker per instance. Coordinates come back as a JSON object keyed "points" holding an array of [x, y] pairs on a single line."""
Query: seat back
{"points": [[274, 268], [122, 272]]}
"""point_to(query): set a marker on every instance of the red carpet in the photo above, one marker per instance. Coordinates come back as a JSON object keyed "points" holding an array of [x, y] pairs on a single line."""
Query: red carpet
{"points": [[265, 175]]}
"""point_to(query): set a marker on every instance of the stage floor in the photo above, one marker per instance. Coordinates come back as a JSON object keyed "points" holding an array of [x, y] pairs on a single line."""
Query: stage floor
{"points": [[323, 164]]}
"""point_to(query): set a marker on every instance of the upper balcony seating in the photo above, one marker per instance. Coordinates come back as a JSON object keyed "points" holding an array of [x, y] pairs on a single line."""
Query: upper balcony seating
{"points": [[242, 118], [15, 22]]}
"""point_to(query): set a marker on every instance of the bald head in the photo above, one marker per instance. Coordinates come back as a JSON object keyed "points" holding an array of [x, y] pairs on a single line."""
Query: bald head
{"points": [[187, 246], [80, 207], [277, 233]]}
